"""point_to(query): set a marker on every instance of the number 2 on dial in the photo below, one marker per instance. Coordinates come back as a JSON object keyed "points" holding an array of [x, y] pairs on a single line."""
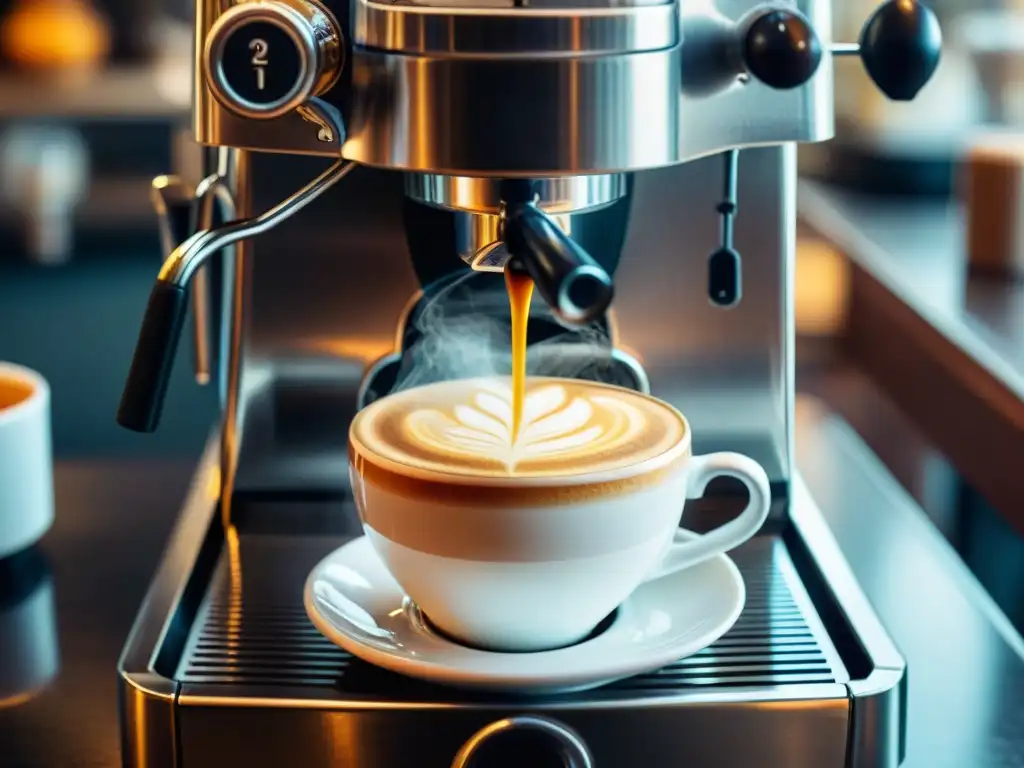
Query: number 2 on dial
{"points": [[259, 49]]}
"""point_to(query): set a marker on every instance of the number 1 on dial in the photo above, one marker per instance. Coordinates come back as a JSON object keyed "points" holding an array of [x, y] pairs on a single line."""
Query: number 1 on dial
{"points": [[259, 48]]}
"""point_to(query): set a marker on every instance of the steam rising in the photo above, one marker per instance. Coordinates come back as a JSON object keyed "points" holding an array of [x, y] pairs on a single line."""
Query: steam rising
{"points": [[463, 331]]}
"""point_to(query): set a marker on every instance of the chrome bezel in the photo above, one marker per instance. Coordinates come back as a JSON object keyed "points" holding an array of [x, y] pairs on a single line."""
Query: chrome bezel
{"points": [[289, 21]]}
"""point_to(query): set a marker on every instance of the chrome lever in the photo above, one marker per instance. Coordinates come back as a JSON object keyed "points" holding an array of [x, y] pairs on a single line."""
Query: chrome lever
{"points": [[181, 212], [174, 203], [213, 196]]}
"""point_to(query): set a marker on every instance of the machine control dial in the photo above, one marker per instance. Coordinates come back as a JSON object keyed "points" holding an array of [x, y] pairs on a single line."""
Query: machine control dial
{"points": [[264, 58], [532, 740]]}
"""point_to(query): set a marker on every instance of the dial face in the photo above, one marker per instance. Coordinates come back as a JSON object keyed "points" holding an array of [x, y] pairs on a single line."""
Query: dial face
{"points": [[261, 63]]}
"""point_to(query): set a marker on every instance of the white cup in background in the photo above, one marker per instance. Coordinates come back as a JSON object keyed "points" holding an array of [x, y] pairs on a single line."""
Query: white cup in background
{"points": [[26, 459]]}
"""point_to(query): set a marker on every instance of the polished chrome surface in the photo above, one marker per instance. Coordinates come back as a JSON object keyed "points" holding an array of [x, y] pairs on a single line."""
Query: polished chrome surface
{"points": [[570, 115], [317, 40], [175, 203], [188, 257], [234, 381], [478, 239], [146, 698], [479, 207], [566, 114], [496, 30], [587, 114], [477, 194], [216, 202]]}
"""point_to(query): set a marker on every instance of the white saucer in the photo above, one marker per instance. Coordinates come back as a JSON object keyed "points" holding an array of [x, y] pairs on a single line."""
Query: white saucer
{"points": [[355, 603]]}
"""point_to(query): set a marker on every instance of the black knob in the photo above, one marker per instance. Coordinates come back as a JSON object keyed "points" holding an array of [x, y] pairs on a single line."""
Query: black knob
{"points": [[725, 277], [781, 49], [575, 286], [901, 45], [267, 58]]}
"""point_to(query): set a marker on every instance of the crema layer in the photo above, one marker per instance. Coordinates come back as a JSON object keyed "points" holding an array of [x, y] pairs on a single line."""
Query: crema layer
{"points": [[568, 427]]}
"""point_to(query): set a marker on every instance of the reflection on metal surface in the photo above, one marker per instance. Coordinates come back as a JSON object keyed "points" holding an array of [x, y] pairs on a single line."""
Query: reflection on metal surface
{"points": [[215, 199], [563, 194], [147, 697], [365, 349], [235, 311], [30, 658], [547, 29], [233, 606]]}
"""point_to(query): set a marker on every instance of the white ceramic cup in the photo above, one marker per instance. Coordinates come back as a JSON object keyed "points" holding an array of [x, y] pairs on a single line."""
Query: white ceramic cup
{"points": [[26, 459], [535, 563]]}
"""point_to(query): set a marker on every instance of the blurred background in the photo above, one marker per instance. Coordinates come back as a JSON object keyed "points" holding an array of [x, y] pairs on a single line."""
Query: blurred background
{"points": [[94, 102], [93, 94]]}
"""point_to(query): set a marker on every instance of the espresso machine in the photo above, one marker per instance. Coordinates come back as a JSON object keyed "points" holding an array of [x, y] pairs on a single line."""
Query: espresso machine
{"points": [[638, 159]]}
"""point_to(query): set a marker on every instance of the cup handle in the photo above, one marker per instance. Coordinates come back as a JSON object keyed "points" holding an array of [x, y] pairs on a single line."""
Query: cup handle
{"points": [[683, 554]]}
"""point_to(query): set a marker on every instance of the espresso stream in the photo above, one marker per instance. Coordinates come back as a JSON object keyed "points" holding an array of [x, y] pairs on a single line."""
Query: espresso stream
{"points": [[520, 291]]}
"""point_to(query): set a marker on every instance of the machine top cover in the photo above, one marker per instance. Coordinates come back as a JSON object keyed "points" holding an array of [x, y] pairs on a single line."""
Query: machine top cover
{"points": [[515, 27]]}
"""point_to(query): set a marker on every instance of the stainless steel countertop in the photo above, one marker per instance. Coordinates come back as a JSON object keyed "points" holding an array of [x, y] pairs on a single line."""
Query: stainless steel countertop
{"points": [[966, 663]]}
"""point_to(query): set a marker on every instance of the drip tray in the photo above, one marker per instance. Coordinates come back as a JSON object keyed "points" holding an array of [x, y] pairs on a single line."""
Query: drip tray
{"points": [[224, 668], [252, 631]]}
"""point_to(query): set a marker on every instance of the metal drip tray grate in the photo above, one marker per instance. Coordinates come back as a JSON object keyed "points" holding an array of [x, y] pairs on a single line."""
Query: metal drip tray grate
{"points": [[252, 633]]}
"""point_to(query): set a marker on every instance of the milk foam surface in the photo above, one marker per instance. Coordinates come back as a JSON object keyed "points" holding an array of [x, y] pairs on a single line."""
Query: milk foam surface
{"points": [[568, 427]]}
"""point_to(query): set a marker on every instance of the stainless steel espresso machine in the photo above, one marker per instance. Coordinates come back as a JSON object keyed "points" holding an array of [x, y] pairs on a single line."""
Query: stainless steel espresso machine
{"points": [[637, 158]]}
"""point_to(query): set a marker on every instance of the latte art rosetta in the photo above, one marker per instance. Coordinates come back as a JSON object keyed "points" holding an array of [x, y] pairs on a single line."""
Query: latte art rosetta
{"points": [[466, 427], [555, 424]]}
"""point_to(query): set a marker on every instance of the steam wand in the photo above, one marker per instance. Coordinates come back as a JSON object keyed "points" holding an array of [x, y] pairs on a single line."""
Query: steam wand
{"points": [[150, 373]]}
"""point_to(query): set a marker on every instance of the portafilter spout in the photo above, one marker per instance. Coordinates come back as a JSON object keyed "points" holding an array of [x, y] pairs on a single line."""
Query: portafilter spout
{"points": [[576, 287], [525, 224]]}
